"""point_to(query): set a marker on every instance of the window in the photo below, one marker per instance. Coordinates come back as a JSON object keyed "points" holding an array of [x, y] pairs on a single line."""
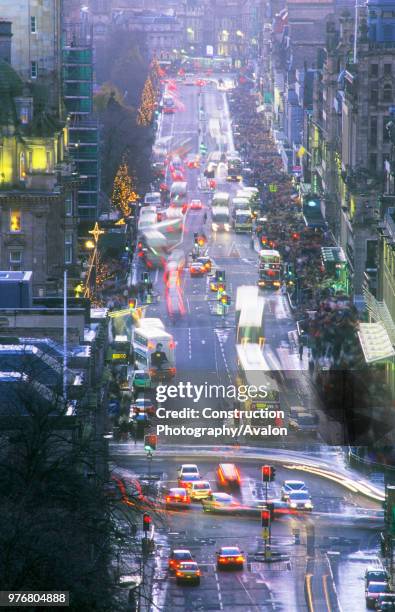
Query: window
{"points": [[33, 70], [387, 69], [22, 167], [373, 131], [387, 93], [48, 157], [33, 25], [68, 204], [374, 96], [374, 71], [373, 162], [15, 221], [68, 247], [15, 260]]}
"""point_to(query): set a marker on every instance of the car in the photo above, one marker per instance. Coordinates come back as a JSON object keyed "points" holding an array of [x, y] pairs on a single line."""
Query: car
{"points": [[299, 500], [200, 489], [290, 486], [177, 497], [304, 423], [143, 404], [375, 574], [373, 591], [141, 379], [219, 502], [197, 269], [230, 556], [188, 468], [192, 161], [206, 261], [228, 475], [196, 205], [187, 479], [178, 556], [385, 602], [188, 572]]}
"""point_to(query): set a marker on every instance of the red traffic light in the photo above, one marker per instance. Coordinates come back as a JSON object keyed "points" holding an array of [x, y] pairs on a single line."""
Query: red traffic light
{"points": [[150, 441], [295, 236], [265, 518], [266, 473], [147, 520]]}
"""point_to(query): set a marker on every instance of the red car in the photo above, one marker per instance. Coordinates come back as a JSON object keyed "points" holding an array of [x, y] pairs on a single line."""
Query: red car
{"points": [[179, 556], [197, 269], [178, 497], [196, 205]]}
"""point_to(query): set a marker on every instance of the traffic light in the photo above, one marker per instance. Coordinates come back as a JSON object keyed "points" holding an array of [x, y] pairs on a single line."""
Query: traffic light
{"points": [[268, 473], [146, 522], [270, 507], [220, 289], [195, 237], [132, 303], [220, 276], [145, 277], [150, 441], [201, 240], [225, 299], [265, 518]]}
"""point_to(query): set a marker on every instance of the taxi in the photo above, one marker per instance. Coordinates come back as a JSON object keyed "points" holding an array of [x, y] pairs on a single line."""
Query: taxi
{"points": [[200, 489], [230, 556], [188, 571], [197, 269], [177, 497]]}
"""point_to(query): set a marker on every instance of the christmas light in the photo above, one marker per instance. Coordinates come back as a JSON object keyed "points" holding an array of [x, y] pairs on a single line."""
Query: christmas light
{"points": [[123, 193]]}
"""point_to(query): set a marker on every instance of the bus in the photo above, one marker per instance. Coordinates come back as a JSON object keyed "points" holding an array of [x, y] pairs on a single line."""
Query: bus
{"points": [[220, 219], [214, 63], [270, 274], [253, 370], [147, 341], [235, 167], [250, 324], [245, 294], [178, 194], [221, 198], [241, 204], [243, 221]]}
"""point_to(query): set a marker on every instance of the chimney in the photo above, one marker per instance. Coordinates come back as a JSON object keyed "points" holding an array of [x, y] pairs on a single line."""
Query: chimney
{"points": [[5, 40]]}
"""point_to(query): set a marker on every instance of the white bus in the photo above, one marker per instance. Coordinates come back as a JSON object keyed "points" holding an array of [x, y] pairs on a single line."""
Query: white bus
{"points": [[147, 342], [253, 370], [178, 193], [220, 219], [245, 294], [250, 324], [220, 198]]}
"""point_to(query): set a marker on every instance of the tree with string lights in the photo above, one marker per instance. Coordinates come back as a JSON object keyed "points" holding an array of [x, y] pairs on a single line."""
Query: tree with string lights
{"points": [[146, 109], [123, 192]]}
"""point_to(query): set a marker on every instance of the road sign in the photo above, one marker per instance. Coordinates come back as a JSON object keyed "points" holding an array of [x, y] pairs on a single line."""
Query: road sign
{"points": [[273, 188]]}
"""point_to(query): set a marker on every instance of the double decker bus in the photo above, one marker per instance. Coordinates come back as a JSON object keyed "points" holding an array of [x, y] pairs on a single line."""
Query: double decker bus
{"points": [[253, 370], [270, 273]]}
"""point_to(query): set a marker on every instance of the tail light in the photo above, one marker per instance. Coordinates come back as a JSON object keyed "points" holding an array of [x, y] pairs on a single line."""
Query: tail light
{"points": [[178, 573], [173, 371], [197, 572], [240, 558], [168, 498]]}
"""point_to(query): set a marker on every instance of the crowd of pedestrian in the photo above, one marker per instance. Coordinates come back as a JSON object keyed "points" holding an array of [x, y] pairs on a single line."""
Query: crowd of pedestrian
{"points": [[328, 317]]}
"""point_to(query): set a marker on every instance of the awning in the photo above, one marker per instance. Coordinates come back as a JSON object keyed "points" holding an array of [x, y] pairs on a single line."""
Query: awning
{"points": [[375, 342]]}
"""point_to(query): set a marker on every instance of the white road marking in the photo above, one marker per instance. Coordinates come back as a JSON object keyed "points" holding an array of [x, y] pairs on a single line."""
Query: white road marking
{"points": [[189, 343], [221, 607]]}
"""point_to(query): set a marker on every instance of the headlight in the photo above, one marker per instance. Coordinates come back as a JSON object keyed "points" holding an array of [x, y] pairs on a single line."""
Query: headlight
{"points": [[308, 505], [227, 227], [214, 227], [293, 505]]}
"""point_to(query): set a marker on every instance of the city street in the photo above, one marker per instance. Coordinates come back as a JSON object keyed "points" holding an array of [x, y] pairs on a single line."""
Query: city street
{"points": [[319, 554]]}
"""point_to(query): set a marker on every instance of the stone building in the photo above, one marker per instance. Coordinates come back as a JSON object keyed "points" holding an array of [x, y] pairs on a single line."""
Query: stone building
{"points": [[37, 183]]}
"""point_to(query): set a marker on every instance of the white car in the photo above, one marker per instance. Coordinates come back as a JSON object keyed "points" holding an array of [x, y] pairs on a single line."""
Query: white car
{"points": [[300, 500], [188, 469], [290, 486]]}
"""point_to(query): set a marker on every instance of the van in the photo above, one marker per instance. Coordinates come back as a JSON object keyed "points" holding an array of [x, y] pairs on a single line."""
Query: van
{"points": [[228, 475]]}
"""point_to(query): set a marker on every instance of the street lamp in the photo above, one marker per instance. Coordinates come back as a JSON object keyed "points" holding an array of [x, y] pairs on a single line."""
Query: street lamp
{"points": [[240, 33], [89, 244]]}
